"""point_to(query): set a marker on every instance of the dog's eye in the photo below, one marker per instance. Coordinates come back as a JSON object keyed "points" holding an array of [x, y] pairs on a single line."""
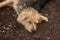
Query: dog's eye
{"points": [[25, 18]]}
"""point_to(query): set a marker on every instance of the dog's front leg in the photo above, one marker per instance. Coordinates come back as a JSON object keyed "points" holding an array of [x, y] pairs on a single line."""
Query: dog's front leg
{"points": [[5, 3], [16, 6]]}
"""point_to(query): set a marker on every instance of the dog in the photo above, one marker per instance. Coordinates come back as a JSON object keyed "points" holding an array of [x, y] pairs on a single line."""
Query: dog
{"points": [[29, 17], [26, 11]]}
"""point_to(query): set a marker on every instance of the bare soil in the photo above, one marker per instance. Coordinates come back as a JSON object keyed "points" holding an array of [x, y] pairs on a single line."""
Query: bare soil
{"points": [[10, 29]]}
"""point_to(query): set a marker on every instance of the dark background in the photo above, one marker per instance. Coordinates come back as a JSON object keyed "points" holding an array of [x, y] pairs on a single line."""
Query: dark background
{"points": [[10, 29]]}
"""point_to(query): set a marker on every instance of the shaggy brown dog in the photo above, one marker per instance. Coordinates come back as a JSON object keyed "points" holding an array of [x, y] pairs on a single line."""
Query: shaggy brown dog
{"points": [[29, 17]]}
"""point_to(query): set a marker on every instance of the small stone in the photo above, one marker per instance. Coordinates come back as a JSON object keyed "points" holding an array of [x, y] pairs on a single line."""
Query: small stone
{"points": [[8, 28], [46, 14], [3, 31], [17, 32], [48, 38], [10, 25], [4, 27]]}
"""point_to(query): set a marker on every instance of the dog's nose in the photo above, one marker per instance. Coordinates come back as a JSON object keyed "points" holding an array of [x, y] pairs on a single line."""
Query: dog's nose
{"points": [[31, 27], [33, 30]]}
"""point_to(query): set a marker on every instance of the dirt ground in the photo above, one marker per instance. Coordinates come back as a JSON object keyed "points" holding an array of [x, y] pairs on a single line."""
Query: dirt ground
{"points": [[10, 29]]}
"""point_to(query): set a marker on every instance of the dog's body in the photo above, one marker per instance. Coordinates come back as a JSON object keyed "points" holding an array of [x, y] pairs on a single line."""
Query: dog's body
{"points": [[28, 16], [19, 5]]}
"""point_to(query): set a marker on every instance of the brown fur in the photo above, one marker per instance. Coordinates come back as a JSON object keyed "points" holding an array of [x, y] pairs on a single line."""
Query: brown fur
{"points": [[29, 17]]}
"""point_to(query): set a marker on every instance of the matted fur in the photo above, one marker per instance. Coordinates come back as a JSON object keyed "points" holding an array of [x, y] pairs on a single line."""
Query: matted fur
{"points": [[29, 17]]}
